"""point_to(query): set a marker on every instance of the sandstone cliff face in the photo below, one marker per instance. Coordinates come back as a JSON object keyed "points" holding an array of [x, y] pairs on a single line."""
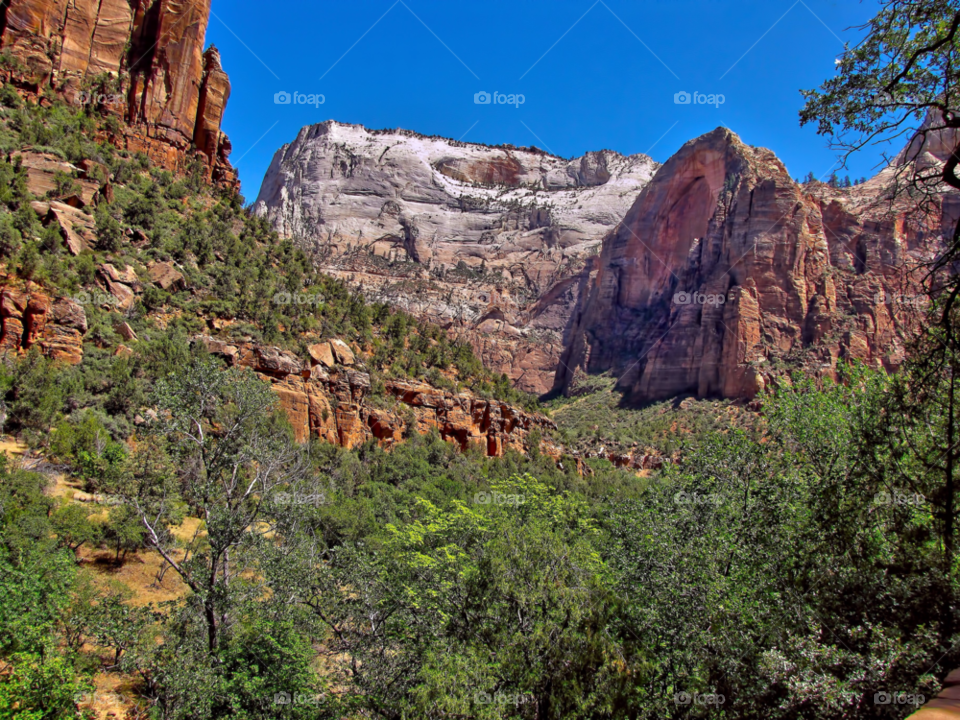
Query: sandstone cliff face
{"points": [[141, 60], [725, 273], [29, 317], [328, 397], [488, 242]]}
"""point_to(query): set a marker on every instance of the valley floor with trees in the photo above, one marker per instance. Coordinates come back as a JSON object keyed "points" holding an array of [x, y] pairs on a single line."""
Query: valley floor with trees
{"points": [[166, 542]]}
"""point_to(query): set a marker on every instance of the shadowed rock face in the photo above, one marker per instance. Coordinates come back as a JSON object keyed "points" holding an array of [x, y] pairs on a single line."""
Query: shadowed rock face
{"points": [[488, 242], [170, 94], [725, 271]]}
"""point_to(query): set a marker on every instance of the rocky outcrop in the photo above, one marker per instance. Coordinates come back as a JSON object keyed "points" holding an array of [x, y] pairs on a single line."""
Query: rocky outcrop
{"points": [[31, 318], [725, 274], [487, 242], [166, 277], [214, 93], [139, 60], [328, 396], [123, 286]]}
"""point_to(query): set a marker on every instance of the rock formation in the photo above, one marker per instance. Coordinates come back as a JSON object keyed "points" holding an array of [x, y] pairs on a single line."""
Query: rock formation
{"points": [[488, 242], [329, 397], [139, 60], [31, 318], [725, 274]]}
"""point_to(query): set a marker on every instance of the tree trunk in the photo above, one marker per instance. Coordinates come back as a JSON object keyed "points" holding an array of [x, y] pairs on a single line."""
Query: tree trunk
{"points": [[211, 615], [949, 550]]}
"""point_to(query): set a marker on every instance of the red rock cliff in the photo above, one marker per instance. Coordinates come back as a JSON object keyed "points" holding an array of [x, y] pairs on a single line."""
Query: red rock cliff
{"points": [[329, 397], [29, 317], [725, 273], [141, 60]]}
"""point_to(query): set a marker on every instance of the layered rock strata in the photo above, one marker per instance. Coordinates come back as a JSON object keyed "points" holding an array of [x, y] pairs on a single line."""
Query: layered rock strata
{"points": [[725, 275], [485, 241]]}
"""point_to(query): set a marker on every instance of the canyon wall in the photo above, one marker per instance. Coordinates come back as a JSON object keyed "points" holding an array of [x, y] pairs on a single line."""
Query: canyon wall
{"points": [[141, 61], [488, 242], [726, 275]]}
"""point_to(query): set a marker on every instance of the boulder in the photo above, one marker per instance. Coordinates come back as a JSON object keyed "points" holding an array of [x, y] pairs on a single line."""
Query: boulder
{"points": [[112, 280], [29, 319], [62, 343], [125, 331], [270, 360], [322, 353], [123, 294], [165, 276], [127, 276], [70, 314], [41, 169], [78, 228], [342, 352]]}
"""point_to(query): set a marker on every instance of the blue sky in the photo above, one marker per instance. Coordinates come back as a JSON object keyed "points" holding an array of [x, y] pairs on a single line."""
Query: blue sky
{"points": [[594, 73]]}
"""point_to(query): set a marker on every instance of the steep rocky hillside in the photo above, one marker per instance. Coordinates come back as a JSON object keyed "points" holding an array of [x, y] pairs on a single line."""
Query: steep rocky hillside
{"points": [[726, 275], [488, 242], [124, 249], [141, 62]]}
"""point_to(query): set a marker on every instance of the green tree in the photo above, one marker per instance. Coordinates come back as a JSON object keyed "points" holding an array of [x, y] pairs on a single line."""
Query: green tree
{"points": [[488, 610], [40, 678], [233, 452], [124, 531], [914, 455], [10, 237], [38, 393], [900, 83], [41, 688], [109, 232], [116, 624], [71, 523], [771, 571]]}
